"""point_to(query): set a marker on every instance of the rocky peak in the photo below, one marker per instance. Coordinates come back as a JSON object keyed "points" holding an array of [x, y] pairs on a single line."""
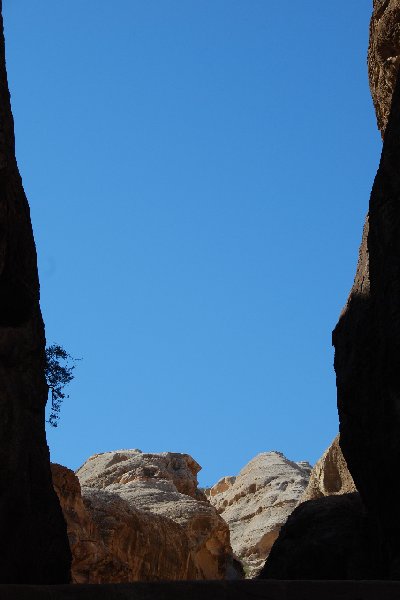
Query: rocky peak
{"points": [[257, 502], [130, 466], [162, 485]]}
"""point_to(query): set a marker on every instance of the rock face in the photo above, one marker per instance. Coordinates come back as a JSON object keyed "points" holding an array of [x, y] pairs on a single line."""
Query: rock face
{"points": [[34, 545], [367, 337], [384, 56], [126, 545], [327, 538], [330, 476], [257, 502], [329, 535], [90, 559], [152, 518]]}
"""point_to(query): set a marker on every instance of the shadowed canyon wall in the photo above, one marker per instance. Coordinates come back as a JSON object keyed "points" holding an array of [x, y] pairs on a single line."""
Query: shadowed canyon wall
{"points": [[329, 535], [367, 336], [33, 540]]}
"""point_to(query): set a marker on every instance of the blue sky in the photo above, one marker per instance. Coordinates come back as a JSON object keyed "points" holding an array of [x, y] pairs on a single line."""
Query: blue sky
{"points": [[198, 174]]}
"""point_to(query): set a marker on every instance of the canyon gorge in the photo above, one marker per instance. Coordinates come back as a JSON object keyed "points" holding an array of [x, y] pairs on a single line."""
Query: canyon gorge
{"points": [[129, 516]]}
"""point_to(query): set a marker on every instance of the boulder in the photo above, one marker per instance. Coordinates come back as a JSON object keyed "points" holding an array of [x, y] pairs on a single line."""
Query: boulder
{"points": [[134, 497], [326, 538], [33, 542], [257, 502], [330, 476]]}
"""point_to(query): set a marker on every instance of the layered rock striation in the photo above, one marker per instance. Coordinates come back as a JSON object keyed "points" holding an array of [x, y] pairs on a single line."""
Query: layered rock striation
{"points": [[33, 537], [133, 516], [257, 502]]}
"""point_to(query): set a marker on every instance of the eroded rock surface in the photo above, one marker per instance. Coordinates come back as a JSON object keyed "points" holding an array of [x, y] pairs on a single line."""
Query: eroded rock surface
{"points": [[112, 542], [257, 502], [91, 561], [330, 476], [384, 56], [33, 541], [152, 500]]}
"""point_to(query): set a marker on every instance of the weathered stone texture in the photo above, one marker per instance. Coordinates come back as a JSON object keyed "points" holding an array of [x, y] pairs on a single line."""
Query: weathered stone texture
{"points": [[384, 56], [91, 561], [33, 537], [330, 476], [153, 517], [257, 502], [142, 546]]}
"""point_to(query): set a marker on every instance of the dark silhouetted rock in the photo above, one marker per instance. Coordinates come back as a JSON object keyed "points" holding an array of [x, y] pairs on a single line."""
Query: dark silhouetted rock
{"points": [[327, 538], [256, 589], [33, 537], [367, 337]]}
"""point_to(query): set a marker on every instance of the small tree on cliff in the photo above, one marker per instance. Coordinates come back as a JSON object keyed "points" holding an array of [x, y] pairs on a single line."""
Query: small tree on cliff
{"points": [[59, 373]]}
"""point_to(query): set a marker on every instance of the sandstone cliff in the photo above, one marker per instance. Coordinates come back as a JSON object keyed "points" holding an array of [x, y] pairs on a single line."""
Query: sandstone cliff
{"points": [[330, 476], [33, 542], [257, 502], [91, 561], [367, 336], [112, 542], [146, 517]]}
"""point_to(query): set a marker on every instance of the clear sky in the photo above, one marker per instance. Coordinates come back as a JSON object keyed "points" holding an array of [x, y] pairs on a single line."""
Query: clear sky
{"points": [[198, 174]]}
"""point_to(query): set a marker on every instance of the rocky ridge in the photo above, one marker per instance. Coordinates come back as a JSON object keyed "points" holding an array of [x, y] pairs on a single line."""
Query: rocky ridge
{"points": [[138, 516], [257, 502]]}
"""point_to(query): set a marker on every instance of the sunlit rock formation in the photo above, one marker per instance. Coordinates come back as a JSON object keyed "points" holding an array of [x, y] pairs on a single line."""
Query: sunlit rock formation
{"points": [[330, 476], [141, 517], [257, 502]]}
